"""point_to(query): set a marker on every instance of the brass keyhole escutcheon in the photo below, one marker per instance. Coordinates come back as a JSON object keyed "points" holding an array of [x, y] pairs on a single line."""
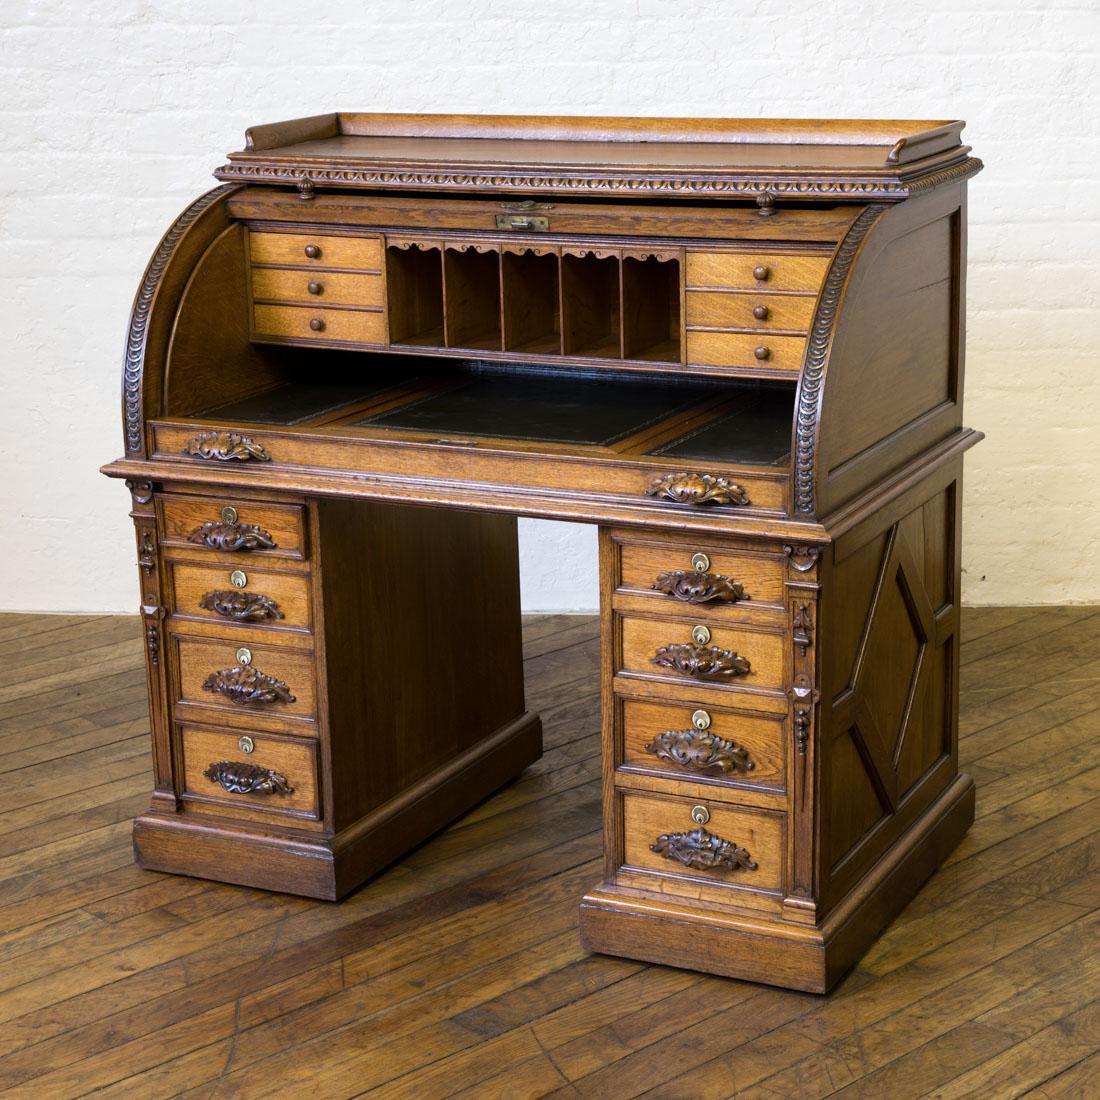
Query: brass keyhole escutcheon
{"points": [[229, 514], [700, 635], [700, 815], [244, 656], [238, 578], [700, 562], [246, 744], [701, 720]]}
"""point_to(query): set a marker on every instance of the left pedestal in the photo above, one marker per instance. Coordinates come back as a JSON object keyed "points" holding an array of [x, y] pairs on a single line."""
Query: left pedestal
{"points": [[330, 682]]}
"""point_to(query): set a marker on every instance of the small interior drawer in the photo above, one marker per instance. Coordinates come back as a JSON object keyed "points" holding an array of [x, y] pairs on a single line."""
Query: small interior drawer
{"points": [[750, 310], [232, 525], [642, 638], [753, 349], [275, 683], [754, 577], [250, 769], [702, 742], [719, 852], [345, 326], [757, 270], [316, 250], [248, 596], [316, 288]]}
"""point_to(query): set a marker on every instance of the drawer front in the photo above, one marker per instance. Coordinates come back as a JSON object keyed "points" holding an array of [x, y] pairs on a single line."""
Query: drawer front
{"points": [[316, 250], [250, 769], [738, 309], [316, 287], [745, 349], [735, 848], [703, 742], [757, 270], [347, 326], [643, 638], [253, 597], [230, 525], [754, 578], [276, 683]]}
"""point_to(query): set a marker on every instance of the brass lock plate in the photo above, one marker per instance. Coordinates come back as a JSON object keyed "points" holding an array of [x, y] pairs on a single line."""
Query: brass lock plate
{"points": [[700, 635], [532, 223]]}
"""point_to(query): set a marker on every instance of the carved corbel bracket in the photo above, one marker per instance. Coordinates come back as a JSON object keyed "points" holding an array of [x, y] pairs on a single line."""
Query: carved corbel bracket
{"points": [[802, 558]]}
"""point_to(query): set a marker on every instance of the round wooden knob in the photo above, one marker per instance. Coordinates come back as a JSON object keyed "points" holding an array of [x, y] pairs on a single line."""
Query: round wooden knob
{"points": [[317, 324], [315, 288], [762, 353], [759, 312], [313, 251], [761, 273]]}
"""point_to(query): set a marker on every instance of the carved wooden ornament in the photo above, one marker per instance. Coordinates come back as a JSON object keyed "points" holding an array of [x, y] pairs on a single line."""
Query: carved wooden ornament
{"points": [[226, 447], [703, 662], [703, 851], [700, 750], [248, 686], [238, 778], [696, 587], [698, 489], [231, 536], [241, 607]]}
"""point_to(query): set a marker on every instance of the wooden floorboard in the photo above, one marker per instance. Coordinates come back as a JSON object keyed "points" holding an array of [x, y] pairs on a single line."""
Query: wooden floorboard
{"points": [[458, 972]]}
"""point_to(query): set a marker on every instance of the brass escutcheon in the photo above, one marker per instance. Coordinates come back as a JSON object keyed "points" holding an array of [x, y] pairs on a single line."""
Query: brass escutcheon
{"points": [[700, 635], [701, 720], [246, 744], [229, 514], [244, 656], [238, 578], [700, 562], [700, 815]]}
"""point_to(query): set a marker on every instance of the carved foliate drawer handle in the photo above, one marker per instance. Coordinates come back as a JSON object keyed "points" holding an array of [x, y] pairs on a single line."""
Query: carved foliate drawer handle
{"points": [[225, 447], [697, 489], [697, 587], [240, 778], [219, 535], [700, 750], [248, 686], [703, 662], [703, 851], [241, 607]]}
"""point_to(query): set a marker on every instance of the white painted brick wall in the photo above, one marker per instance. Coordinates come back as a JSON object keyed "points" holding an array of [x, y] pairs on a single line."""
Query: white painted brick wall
{"points": [[114, 112]]}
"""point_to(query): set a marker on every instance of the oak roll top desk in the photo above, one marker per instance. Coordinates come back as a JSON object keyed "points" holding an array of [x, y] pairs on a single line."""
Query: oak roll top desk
{"points": [[735, 345]]}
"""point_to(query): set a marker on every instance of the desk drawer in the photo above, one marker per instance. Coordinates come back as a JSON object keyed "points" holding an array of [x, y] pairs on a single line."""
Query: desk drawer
{"points": [[235, 526], [275, 683], [752, 310], [314, 250], [345, 326], [733, 849], [250, 769], [254, 597], [749, 349], [709, 655], [757, 270], [701, 576], [702, 742], [316, 288]]}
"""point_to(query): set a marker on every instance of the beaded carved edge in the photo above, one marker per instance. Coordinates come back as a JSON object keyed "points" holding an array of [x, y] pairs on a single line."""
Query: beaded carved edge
{"points": [[817, 352], [134, 357], [896, 190]]}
